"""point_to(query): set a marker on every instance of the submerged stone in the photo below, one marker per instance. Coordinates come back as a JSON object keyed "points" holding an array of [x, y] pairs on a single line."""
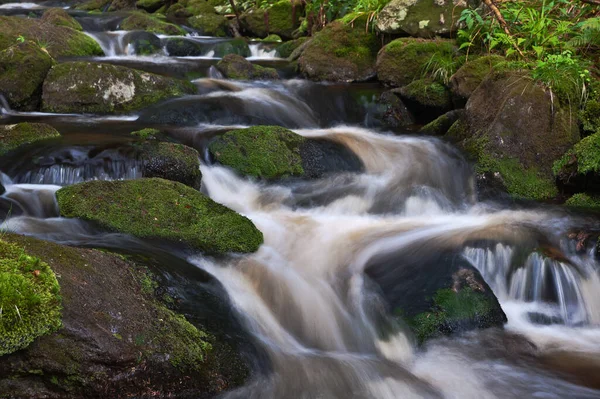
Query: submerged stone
{"points": [[162, 210], [14, 136], [104, 88]]}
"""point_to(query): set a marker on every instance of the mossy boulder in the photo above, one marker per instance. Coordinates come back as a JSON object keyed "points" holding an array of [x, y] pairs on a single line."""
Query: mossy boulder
{"points": [[59, 41], [281, 18], [14, 136], [30, 300], [150, 23], [237, 46], [189, 8], [103, 88], [235, 66], [23, 68], [93, 5], [171, 161], [469, 76], [340, 53], [404, 60], [422, 18], [150, 5], [117, 338], [273, 152], [143, 43], [394, 113], [59, 17], [579, 168], [209, 24], [118, 5], [511, 126], [426, 99], [285, 49], [181, 47], [582, 200], [163, 210], [442, 124]]}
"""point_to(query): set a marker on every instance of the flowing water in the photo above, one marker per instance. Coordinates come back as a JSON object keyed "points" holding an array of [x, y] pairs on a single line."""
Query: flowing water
{"points": [[309, 296]]}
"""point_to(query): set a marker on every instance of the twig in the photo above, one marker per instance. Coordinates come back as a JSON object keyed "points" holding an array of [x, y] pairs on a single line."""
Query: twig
{"points": [[503, 23]]}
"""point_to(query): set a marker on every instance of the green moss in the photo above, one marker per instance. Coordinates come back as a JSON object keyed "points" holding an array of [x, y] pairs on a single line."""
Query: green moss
{"points": [[450, 307], [272, 38], [172, 161], [583, 200], [234, 66], [59, 17], [209, 24], [279, 17], [237, 46], [585, 154], [590, 116], [286, 49], [29, 299], [470, 75], [160, 209], [146, 133], [150, 5], [13, 136], [428, 93], [404, 60], [93, 5], [262, 151], [149, 23]]}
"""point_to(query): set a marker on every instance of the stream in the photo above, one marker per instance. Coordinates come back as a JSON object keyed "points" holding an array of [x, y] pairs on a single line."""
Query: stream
{"points": [[309, 296]]}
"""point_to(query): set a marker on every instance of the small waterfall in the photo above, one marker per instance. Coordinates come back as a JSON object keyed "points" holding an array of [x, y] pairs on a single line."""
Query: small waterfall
{"points": [[259, 51], [64, 175], [4, 107]]}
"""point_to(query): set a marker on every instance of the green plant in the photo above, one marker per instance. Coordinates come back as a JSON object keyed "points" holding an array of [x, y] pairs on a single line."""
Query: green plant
{"points": [[20, 39]]}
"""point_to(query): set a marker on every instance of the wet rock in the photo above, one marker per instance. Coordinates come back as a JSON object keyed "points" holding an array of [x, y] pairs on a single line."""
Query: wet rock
{"points": [[578, 170], [209, 24], [171, 161], [442, 124], [234, 66], [162, 210], [59, 17], [94, 5], [23, 68], [117, 5], [60, 41], [285, 49], [189, 8], [395, 114], [469, 76], [513, 126], [150, 5], [143, 43], [14, 136], [281, 18], [422, 18], [150, 23], [103, 88], [340, 53], [236, 46], [273, 152], [435, 293], [404, 60], [426, 99], [117, 339], [180, 47]]}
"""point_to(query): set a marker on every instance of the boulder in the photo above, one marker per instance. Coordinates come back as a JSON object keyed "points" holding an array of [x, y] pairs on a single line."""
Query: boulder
{"points": [[117, 5], [14, 136], [59, 17], [421, 18], [150, 23], [512, 126], [578, 169], [235, 66], [189, 8], [58, 41], [150, 5], [160, 209], [143, 43], [23, 68], [426, 99], [442, 124], [469, 76], [273, 152], [118, 339], [180, 47], [103, 88], [435, 293], [171, 161], [93, 5], [394, 112], [281, 18], [404, 60], [340, 53], [237, 46], [209, 24], [285, 49]]}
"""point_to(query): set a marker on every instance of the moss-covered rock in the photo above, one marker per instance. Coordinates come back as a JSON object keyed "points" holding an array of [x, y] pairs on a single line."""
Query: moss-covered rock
{"points": [[209, 24], [143, 43], [118, 5], [189, 8], [582, 200], [285, 49], [146, 133], [14, 136], [273, 152], [104, 88], [23, 68], [406, 59], [237, 46], [235, 66], [29, 299], [442, 124], [160, 209], [58, 41], [469, 76], [171, 161], [281, 18], [512, 127], [181, 47], [579, 168], [150, 23], [118, 339], [93, 5], [394, 113], [59, 17], [340, 52], [590, 115], [150, 5], [421, 18], [426, 99]]}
